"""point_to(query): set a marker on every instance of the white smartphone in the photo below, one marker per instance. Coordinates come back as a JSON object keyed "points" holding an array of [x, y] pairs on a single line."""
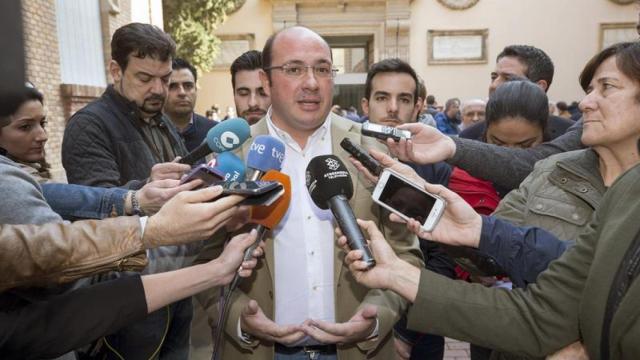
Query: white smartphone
{"points": [[408, 200]]}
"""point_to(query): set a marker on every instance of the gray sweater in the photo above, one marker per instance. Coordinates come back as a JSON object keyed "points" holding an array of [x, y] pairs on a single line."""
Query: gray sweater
{"points": [[508, 167], [22, 199]]}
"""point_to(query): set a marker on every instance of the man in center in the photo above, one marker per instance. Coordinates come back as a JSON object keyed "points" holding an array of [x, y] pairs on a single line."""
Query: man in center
{"points": [[302, 303]]}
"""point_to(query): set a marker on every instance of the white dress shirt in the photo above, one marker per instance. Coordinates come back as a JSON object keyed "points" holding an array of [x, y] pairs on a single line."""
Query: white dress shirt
{"points": [[304, 243]]}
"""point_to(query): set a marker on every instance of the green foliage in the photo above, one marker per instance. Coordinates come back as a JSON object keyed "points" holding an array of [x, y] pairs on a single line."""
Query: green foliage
{"points": [[192, 23]]}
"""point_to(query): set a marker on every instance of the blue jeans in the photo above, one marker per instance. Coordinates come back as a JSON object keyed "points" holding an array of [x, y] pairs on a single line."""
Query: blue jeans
{"points": [[301, 355], [73, 202]]}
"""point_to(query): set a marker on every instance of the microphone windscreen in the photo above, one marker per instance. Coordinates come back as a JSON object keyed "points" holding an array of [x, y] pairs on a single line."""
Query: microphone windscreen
{"points": [[228, 135], [230, 165], [327, 177], [266, 153], [270, 216]]}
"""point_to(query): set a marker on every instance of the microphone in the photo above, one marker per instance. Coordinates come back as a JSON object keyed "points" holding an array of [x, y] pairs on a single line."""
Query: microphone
{"points": [[266, 153], [230, 165], [268, 217], [329, 185], [226, 136]]}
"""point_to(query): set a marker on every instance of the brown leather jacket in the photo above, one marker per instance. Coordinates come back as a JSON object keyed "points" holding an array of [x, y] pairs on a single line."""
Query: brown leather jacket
{"points": [[57, 253]]}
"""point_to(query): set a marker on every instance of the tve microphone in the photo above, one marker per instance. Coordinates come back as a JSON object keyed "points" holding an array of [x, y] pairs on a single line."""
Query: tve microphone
{"points": [[226, 136], [266, 153], [329, 185], [230, 165]]}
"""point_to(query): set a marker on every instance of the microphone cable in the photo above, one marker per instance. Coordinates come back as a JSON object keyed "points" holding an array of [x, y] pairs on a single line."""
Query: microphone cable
{"points": [[224, 306]]}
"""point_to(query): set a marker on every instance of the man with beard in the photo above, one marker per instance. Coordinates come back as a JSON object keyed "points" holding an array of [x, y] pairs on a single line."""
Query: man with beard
{"points": [[123, 139], [392, 98], [522, 61], [251, 100], [181, 100]]}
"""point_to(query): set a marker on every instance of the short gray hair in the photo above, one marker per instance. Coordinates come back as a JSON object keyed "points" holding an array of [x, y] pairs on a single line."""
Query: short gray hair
{"points": [[472, 102]]}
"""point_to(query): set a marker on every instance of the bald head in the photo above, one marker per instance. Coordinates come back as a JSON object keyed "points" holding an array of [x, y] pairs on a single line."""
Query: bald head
{"points": [[300, 34]]}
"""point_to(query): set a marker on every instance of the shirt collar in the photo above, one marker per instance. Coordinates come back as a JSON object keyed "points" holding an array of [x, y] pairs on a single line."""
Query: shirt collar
{"points": [[284, 136]]}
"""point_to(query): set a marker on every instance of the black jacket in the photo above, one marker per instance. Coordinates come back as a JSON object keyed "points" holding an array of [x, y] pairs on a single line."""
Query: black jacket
{"points": [[103, 144], [197, 131], [59, 324]]}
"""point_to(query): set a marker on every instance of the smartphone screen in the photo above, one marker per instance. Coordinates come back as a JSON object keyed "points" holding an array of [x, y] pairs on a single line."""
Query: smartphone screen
{"points": [[206, 174], [408, 200]]}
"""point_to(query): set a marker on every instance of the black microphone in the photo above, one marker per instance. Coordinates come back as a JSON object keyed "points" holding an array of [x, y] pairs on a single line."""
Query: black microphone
{"points": [[329, 185]]}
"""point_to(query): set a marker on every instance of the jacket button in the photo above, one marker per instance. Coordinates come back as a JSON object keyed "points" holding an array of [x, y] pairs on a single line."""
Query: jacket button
{"points": [[270, 294], [563, 180], [539, 207], [583, 189]]}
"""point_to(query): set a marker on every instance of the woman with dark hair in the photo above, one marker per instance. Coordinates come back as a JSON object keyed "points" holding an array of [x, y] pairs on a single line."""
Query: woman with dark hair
{"points": [[24, 137], [516, 115]]}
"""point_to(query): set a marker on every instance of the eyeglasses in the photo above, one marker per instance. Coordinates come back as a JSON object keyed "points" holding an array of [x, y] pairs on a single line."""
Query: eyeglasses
{"points": [[324, 71]]}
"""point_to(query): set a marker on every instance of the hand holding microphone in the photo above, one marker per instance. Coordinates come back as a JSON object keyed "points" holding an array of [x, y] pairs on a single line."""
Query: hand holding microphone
{"points": [[226, 136], [330, 186]]}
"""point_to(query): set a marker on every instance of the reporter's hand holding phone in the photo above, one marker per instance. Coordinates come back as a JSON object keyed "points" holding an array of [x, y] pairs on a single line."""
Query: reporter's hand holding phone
{"points": [[190, 216], [156, 193], [459, 225], [426, 146], [168, 170], [390, 272]]}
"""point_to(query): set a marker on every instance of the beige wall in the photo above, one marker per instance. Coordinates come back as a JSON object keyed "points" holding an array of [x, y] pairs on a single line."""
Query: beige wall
{"points": [[215, 87], [568, 30]]}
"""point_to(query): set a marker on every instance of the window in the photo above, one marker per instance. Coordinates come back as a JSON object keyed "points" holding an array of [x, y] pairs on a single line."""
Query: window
{"points": [[80, 40], [617, 32]]}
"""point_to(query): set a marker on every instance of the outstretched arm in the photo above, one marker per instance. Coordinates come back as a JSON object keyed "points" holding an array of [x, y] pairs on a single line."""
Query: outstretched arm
{"points": [[503, 166], [508, 167]]}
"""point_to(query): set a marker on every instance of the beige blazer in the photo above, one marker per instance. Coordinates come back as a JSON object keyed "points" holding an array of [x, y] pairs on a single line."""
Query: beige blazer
{"points": [[349, 295]]}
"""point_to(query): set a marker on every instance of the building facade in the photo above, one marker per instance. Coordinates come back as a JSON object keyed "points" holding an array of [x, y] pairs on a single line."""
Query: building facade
{"points": [[452, 44]]}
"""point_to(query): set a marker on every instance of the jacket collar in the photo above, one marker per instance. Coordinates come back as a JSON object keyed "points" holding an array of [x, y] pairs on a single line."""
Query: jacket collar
{"points": [[579, 174], [127, 106]]}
